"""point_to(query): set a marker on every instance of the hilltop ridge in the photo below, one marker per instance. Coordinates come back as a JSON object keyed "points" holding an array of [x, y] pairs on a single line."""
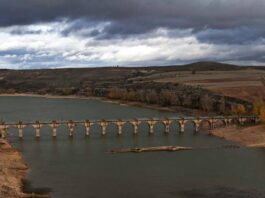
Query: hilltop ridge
{"points": [[200, 66]]}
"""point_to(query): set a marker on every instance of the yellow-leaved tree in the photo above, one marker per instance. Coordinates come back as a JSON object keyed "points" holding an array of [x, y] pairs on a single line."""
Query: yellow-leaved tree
{"points": [[239, 109], [259, 110], [262, 114]]}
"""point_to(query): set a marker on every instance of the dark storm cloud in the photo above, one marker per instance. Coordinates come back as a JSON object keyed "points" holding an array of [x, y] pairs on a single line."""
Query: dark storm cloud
{"points": [[255, 55], [137, 16], [163, 31], [240, 35]]}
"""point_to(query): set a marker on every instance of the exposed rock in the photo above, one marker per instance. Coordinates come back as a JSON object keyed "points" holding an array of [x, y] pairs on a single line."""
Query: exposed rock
{"points": [[150, 149]]}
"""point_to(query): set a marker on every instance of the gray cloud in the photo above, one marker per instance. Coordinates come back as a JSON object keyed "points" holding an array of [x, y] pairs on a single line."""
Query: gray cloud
{"points": [[22, 31], [164, 31], [137, 16], [240, 35]]}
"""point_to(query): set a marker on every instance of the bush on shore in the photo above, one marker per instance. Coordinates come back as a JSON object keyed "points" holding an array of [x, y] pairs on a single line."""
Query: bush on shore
{"points": [[238, 109], [259, 109]]}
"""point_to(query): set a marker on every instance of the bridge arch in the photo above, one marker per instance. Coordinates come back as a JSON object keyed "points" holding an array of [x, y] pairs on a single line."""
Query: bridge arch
{"points": [[174, 126], [144, 127], [189, 125], [205, 124], [95, 129], [128, 126], [159, 127], [28, 131], [111, 129], [62, 131], [11, 131], [219, 123]]}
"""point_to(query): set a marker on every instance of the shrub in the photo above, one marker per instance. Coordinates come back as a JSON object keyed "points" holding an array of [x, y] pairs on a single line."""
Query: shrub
{"points": [[206, 103], [262, 114], [239, 109], [259, 110]]}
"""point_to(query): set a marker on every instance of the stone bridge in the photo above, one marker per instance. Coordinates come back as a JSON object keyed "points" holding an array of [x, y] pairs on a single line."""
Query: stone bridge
{"points": [[217, 121]]}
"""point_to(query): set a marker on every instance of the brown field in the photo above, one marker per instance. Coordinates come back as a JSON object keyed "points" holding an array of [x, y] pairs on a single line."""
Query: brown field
{"points": [[244, 84]]}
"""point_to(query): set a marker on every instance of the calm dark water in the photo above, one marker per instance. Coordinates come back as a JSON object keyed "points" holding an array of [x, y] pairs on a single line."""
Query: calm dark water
{"points": [[81, 168]]}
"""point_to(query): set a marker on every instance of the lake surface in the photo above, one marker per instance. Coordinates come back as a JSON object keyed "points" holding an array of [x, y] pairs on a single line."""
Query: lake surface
{"points": [[80, 167]]}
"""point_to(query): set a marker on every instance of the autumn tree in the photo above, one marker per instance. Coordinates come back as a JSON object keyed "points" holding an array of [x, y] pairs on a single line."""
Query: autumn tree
{"points": [[238, 109], [206, 103], [152, 97], [262, 114], [167, 98], [115, 94], [259, 110], [132, 96], [222, 108]]}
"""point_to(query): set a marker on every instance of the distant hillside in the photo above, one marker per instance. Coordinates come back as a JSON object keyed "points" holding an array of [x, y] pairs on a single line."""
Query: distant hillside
{"points": [[151, 85], [199, 66], [75, 77], [206, 66]]}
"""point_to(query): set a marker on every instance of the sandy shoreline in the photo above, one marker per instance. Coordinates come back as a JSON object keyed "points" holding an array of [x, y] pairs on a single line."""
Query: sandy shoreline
{"points": [[252, 136], [13, 170]]}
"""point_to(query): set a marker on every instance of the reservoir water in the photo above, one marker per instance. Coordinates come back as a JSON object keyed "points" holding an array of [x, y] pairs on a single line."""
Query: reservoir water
{"points": [[80, 167]]}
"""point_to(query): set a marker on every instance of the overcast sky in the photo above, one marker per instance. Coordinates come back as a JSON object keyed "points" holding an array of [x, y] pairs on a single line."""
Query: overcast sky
{"points": [[83, 33]]}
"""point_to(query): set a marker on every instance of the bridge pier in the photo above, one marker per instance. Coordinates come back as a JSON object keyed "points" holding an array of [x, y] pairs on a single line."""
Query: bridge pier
{"points": [[135, 124], [54, 125], [151, 124], [167, 128], [182, 123], [3, 130], [87, 125], [71, 126], [136, 129], [256, 120], [167, 123], [120, 124], [103, 125], [37, 126], [20, 126], [197, 125], [227, 121], [212, 121], [242, 121]]}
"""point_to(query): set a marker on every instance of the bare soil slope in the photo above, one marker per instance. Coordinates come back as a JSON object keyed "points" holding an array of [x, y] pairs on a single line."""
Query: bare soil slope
{"points": [[12, 170]]}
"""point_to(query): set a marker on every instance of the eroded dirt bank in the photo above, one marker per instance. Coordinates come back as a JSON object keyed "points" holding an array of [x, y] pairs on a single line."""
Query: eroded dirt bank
{"points": [[252, 136], [12, 171]]}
